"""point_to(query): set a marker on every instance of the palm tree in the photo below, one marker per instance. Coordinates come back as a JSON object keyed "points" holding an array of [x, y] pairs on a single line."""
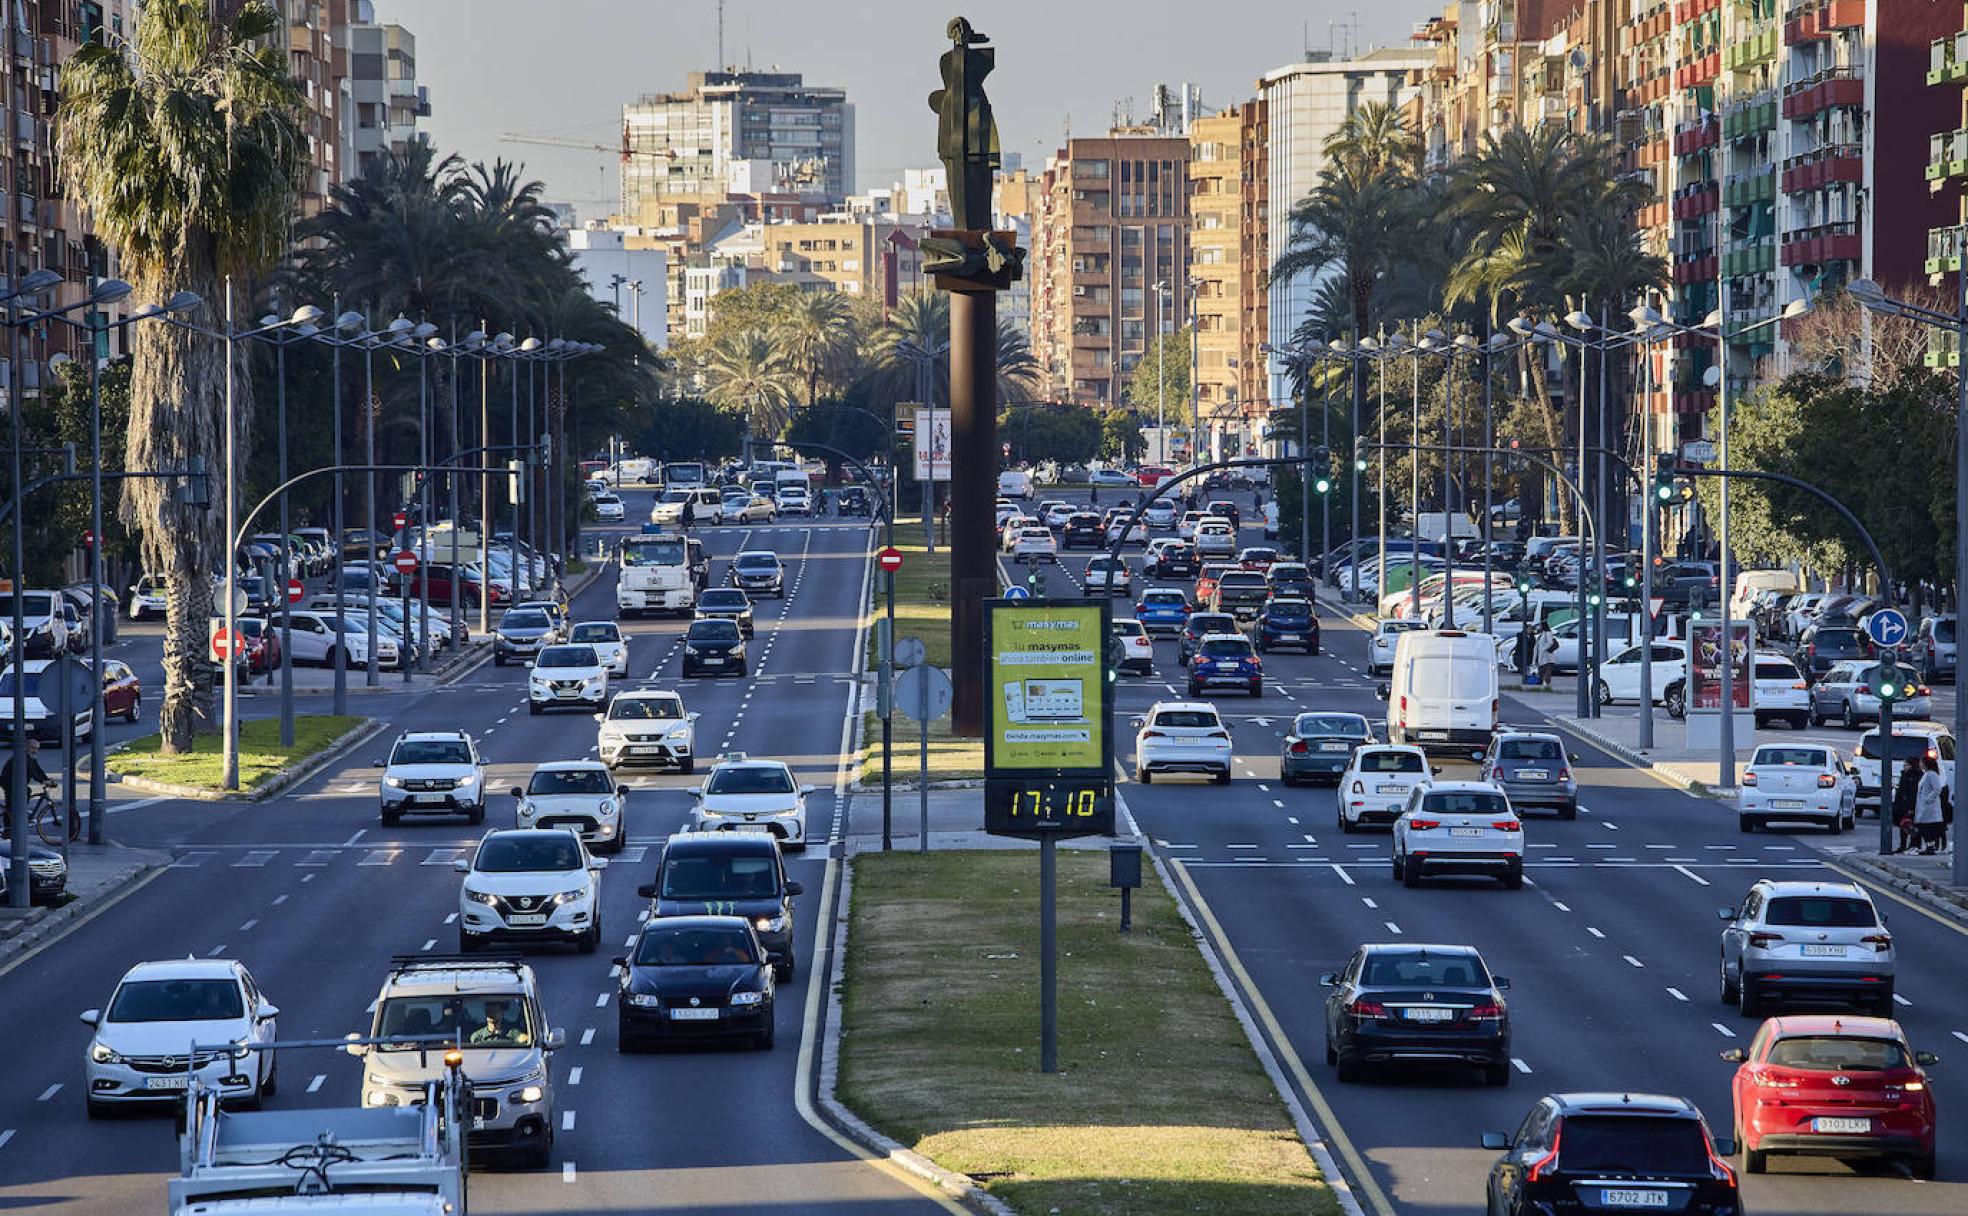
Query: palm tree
{"points": [[1018, 367], [813, 333], [746, 371], [919, 323], [1374, 141], [186, 144]]}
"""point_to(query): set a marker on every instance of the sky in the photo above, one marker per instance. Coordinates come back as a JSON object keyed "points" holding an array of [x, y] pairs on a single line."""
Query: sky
{"points": [[562, 69]]}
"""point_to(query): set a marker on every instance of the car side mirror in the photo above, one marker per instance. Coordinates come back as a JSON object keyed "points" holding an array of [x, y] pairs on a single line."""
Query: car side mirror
{"points": [[379, 764], [92, 1017], [1734, 1055], [267, 1010], [808, 789], [1137, 723], [1329, 979], [1435, 769], [1382, 691], [1574, 756], [529, 664], [1501, 982], [1725, 914], [1926, 1058], [601, 717], [646, 891], [353, 1046], [1724, 1146], [517, 792], [556, 1039], [692, 716], [794, 888], [597, 863], [1496, 1141], [619, 961]]}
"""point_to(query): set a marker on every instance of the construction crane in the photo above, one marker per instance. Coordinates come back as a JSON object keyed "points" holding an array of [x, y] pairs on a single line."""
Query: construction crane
{"points": [[625, 151]]}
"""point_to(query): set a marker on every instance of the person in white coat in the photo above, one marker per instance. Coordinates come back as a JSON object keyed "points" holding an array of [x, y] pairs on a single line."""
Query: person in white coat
{"points": [[1927, 805]]}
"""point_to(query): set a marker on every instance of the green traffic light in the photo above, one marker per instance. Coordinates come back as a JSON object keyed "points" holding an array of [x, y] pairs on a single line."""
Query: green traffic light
{"points": [[1359, 466], [1322, 485]]}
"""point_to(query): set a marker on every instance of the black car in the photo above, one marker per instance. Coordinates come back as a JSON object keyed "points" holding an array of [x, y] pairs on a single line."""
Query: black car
{"points": [[1291, 579], [694, 977], [1822, 646], [1417, 1004], [726, 604], [47, 871], [728, 874], [1175, 559], [1200, 625], [1589, 1152], [713, 647], [1287, 624], [1082, 528], [1242, 593]]}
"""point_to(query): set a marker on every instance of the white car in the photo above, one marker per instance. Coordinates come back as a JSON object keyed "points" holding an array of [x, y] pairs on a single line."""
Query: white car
{"points": [[579, 795], [147, 598], [608, 509], [647, 727], [1216, 537], [1159, 514], [139, 1051], [1377, 783], [1138, 649], [1055, 514], [530, 885], [608, 641], [1380, 647], [1013, 526], [1619, 675], [794, 500], [437, 772], [1035, 542], [1181, 737], [1185, 528], [314, 640], [1779, 692], [705, 507], [1798, 782], [1119, 530], [566, 675], [1111, 575], [742, 794], [1459, 827], [1910, 739], [1005, 509]]}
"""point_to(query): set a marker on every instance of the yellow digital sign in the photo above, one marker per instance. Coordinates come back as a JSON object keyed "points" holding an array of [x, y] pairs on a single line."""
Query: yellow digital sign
{"points": [[1047, 691]]}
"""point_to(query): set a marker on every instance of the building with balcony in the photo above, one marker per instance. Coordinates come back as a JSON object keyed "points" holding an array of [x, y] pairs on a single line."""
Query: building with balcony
{"points": [[382, 101], [1229, 261]]}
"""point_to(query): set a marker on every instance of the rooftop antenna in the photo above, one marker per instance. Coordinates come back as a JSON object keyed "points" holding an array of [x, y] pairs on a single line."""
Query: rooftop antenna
{"points": [[721, 61]]}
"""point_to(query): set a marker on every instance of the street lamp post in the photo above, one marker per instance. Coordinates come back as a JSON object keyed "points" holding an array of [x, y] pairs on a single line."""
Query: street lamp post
{"points": [[280, 338]]}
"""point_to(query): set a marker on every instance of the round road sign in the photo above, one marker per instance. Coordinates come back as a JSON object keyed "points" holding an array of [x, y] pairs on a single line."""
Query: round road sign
{"points": [[1887, 627], [1017, 593], [404, 561], [398, 520], [890, 559], [222, 642], [295, 590]]}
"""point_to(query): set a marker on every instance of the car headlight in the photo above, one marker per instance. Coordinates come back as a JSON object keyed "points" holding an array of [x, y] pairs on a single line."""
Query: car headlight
{"points": [[527, 1094], [103, 1055], [769, 924], [677, 732], [747, 998], [525, 809], [574, 896], [479, 897], [395, 783], [690, 650], [642, 1000], [380, 1097]]}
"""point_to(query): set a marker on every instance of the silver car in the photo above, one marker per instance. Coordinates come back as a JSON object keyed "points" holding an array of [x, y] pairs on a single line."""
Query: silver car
{"points": [[1534, 769], [1841, 693], [1806, 941]]}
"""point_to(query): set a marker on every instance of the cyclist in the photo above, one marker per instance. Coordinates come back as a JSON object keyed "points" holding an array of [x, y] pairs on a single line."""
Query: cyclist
{"points": [[35, 775]]}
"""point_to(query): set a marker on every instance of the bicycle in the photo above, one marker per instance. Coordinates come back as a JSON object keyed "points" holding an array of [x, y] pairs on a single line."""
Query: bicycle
{"points": [[44, 815]]}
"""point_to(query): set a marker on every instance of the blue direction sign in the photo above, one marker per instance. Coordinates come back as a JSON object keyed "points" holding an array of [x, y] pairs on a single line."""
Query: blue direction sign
{"points": [[1888, 627], [1019, 593]]}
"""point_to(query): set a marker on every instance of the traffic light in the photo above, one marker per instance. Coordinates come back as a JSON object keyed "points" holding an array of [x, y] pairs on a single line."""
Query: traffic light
{"points": [[1664, 487], [1890, 682], [1524, 584], [1116, 655]]}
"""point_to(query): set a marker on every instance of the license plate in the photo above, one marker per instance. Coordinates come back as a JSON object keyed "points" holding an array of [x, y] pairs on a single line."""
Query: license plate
{"points": [[1623, 1198], [1824, 952], [1291, 637], [1465, 831], [1426, 1014], [644, 750], [529, 918], [1847, 1127], [1787, 804], [565, 695], [178, 1081], [1431, 734], [427, 797], [693, 1015], [478, 1123], [713, 662], [1533, 774], [1390, 789], [1333, 747]]}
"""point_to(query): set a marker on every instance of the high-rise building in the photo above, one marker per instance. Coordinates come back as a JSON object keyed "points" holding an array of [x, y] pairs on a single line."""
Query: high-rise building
{"points": [[736, 132], [318, 69], [1304, 104], [1229, 261], [382, 100]]}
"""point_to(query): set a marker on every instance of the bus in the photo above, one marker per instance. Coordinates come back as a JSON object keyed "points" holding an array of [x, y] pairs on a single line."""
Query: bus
{"points": [[683, 474]]}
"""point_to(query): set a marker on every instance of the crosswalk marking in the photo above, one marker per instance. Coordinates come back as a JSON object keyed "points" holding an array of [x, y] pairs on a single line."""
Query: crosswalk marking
{"points": [[319, 857], [258, 857], [191, 861], [380, 857], [442, 857]]}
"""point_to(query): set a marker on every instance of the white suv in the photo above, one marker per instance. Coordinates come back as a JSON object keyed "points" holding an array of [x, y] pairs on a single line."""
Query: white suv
{"points": [[571, 674], [1378, 782], [530, 885], [647, 727], [140, 1052], [755, 795], [1182, 737], [579, 795], [433, 772]]}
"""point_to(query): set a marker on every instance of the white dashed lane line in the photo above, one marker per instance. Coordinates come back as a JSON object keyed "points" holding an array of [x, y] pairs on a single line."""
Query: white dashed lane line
{"points": [[1724, 1031], [567, 1171], [574, 1075], [49, 1092], [1631, 961], [1677, 994], [1520, 1066], [320, 1079]]}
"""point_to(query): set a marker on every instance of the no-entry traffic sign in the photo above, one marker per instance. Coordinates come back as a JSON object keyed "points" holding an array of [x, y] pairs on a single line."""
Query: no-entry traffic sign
{"points": [[398, 520], [890, 559], [222, 642], [295, 590], [404, 561]]}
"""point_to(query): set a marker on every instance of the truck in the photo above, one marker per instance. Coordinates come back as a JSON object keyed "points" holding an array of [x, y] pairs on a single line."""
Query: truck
{"points": [[634, 470], [683, 474], [407, 1160], [655, 575]]}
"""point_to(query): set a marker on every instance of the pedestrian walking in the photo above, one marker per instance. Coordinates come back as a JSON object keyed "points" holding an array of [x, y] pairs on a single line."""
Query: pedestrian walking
{"points": [[1905, 792], [1927, 804], [689, 514], [1547, 655]]}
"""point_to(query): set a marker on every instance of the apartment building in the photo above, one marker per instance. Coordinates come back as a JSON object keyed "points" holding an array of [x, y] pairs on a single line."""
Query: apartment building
{"points": [[1229, 263], [383, 101]]}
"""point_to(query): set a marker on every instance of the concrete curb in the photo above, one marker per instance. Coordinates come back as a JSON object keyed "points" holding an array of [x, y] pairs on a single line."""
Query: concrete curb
{"points": [[1669, 775], [1940, 899], [961, 1187], [344, 743], [44, 926]]}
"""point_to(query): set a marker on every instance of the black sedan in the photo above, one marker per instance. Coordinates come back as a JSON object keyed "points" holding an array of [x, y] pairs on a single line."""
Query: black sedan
{"points": [[713, 648], [726, 604], [1082, 528], [47, 871], [1175, 559], [1319, 746], [694, 977], [1417, 1004]]}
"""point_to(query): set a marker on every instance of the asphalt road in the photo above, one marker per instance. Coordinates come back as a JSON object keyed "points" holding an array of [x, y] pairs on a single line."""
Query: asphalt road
{"points": [[314, 896]]}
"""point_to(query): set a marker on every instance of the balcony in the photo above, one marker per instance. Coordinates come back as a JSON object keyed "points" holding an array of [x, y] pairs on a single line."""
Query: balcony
{"points": [[1698, 72], [1702, 198], [1653, 215], [1947, 155], [1692, 137], [1695, 268], [1694, 401], [1653, 25], [1823, 167], [1747, 119], [1751, 50], [1654, 88], [1651, 153], [1831, 87], [1751, 258], [1835, 242], [1947, 59], [1744, 189], [1687, 10], [1944, 249]]}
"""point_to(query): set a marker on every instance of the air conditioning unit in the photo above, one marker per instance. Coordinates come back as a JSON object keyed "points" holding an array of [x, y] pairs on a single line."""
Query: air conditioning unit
{"points": [[1079, 291]]}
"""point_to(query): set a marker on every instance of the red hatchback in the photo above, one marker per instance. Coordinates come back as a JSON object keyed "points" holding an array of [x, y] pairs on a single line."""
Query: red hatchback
{"points": [[1830, 1086]]}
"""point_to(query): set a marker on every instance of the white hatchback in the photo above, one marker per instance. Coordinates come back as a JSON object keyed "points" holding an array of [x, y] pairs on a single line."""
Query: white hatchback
{"points": [[1377, 783], [1216, 537], [1380, 647], [1138, 650], [579, 795], [566, 675], [140, 1053], [1034, 542], [608, 642], [1181, 737], [1801, 782]]}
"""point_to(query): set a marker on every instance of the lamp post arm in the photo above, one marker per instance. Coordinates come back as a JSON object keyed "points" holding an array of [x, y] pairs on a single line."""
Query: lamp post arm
{"points": [[1879, 563]]}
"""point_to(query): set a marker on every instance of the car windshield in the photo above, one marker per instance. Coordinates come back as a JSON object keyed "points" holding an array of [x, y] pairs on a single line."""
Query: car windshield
{"points": [[751, 779], [719, 946], [1820, 912], [1296, 610], [1391, 970], [1193, 718], [1245, 581], [1391, 762], [1905, 747], [1351, 726], [37, 603], [1211, 622], [757, 561], [546, 852], [751, 876], [569, 781], [713, 631], [1838, 641], [1226, 648], [493, 1020], [665, 552], [568, 656], [1530, 749], [1809, 756], [431, 751], [722, 598], [1465, 802], [679, 495], [186, 1000], [523, 620], [1630, 1144], [643, 709], [600, 632], [1838, 1053]]}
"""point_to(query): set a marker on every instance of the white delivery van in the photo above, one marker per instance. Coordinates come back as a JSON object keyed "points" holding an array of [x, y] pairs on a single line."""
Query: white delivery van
{"points": [[1016, 483], [1442, 693], [789, 476], [1751, 583]]}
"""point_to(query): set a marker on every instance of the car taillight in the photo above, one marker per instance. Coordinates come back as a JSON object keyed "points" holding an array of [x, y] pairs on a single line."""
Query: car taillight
{"points": [[1153, 734], [1800, 684], [1218, 734], [1926, 691], [1140, 607], [1496, 712], [1564, 774], [1423, 825], [1826, 781], [1550, 1160], [1367, 1009], [1488, 1011], [1749, 778], [1759, 940], [1404, 709], [1299, 748], [1723, 1172], [1506, 825], [1880, 942]]}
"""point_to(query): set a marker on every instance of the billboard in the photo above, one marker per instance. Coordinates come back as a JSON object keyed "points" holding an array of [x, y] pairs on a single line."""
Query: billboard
{"points": [[932, 445], [1048, 754], [1705, 664]]}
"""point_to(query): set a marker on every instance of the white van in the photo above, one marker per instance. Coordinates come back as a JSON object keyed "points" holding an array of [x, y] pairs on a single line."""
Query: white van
{"points": [[1016, 483], [1443, 690], [783, 477], [1751, 583]]}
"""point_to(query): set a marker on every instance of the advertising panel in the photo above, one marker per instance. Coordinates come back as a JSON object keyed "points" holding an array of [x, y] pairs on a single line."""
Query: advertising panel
{"points": [[932, 437], [1705, 664]]}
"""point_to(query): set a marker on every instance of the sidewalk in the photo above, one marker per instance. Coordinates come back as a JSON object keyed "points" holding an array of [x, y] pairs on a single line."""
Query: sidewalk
{"points": [[98, 876], [956, 821]]}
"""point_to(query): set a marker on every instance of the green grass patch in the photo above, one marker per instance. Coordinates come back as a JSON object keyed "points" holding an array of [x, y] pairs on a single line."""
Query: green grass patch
{"points": [[922, 595], [574, 565], [260, 754], [949, 759], [1161, 1105]]}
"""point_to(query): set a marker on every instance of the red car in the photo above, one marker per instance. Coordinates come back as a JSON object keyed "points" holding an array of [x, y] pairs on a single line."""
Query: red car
{"points": [[1827, 1085], [1258, 557], [1206, 582], [1152, 475], [122, 691]]}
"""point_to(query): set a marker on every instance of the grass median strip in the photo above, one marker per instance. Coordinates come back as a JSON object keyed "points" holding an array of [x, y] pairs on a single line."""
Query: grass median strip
{"points": [[922, 596], [949, 759], [260, 754], [1160, 1107]]}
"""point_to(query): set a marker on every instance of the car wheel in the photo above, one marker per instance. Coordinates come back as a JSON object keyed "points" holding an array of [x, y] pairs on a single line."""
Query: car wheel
{"points": [[1750, 1000], [97, 1110], [1570, 810], [1755, 1160], [783, 971], [1143, 777], [1848, 719], [391, 818], [1332, 1057], [1223, 778], [1346, 1069], [1745, 823], [591, 940], [136, 709], [1922, 1167], [1730, 992], [498, 660], [1837, 823], [1410, 873], [1513, 879], [688, 766], [1814, 717], [270, 1084], [1676, 702], [1497, 1074], [533, 707], [1605, 694], [539, 1157]]}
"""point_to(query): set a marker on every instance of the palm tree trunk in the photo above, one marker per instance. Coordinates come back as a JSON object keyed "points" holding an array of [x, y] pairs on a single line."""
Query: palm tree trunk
{"points": [[1554, 434]]}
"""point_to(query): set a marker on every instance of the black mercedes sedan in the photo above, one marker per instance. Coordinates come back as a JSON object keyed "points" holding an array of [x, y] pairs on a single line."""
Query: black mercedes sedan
{"points": [[1400, 1003], [694, 977]]}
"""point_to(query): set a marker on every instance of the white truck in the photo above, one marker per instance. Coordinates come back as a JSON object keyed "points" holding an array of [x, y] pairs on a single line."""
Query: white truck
{"points": [[636, 470], [408, 1160], [654, 575]]}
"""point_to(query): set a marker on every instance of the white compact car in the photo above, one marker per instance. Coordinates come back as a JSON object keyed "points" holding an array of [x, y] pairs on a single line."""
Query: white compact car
{"points": [[1215, 537], [1181, 737], [1380, 647], [608, 509], [566, 675], [794, 500], [1185, 528], [608, 641], [1035, 542], [1910, 740], [742, 794], [579, 795], [1798, 782], [1138, 650], [139, 1052], [1459, 827], [1377, 783], [147, 598], [1111, 575], [647, 727], [530, 885], [1055, 514], [1619, 675]]}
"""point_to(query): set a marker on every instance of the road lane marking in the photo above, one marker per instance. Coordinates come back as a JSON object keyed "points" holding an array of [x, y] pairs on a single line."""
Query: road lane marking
{"points": [[1291, 819], [1900, 1000], [1277, 802], [1368, 900], [5, 1136], [215, 951], [1677, 994], [1392, 927], [1594, 932], [1957, 1034], [1631, 961], [1559, 906], [1520, 1066], [278, 900], [249, 925], [601, 1002], [320, 1079], [350, 842], [451, 919], [431, 944], [567, 1120], [1239, 846], [380, 857], [49, 1092], [1343, 875], [1691, 874], [567, 1171], [257, 857], [1726, 1032], [587, 1037]]}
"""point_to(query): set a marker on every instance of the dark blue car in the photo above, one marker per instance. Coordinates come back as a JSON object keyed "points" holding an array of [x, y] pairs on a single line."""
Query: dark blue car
{"points": [[1288, 624], [1162, 610], [1226, 661]]}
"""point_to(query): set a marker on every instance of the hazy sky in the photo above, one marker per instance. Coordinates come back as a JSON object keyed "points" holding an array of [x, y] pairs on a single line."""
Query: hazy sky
{"points": [[562, 69]]}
